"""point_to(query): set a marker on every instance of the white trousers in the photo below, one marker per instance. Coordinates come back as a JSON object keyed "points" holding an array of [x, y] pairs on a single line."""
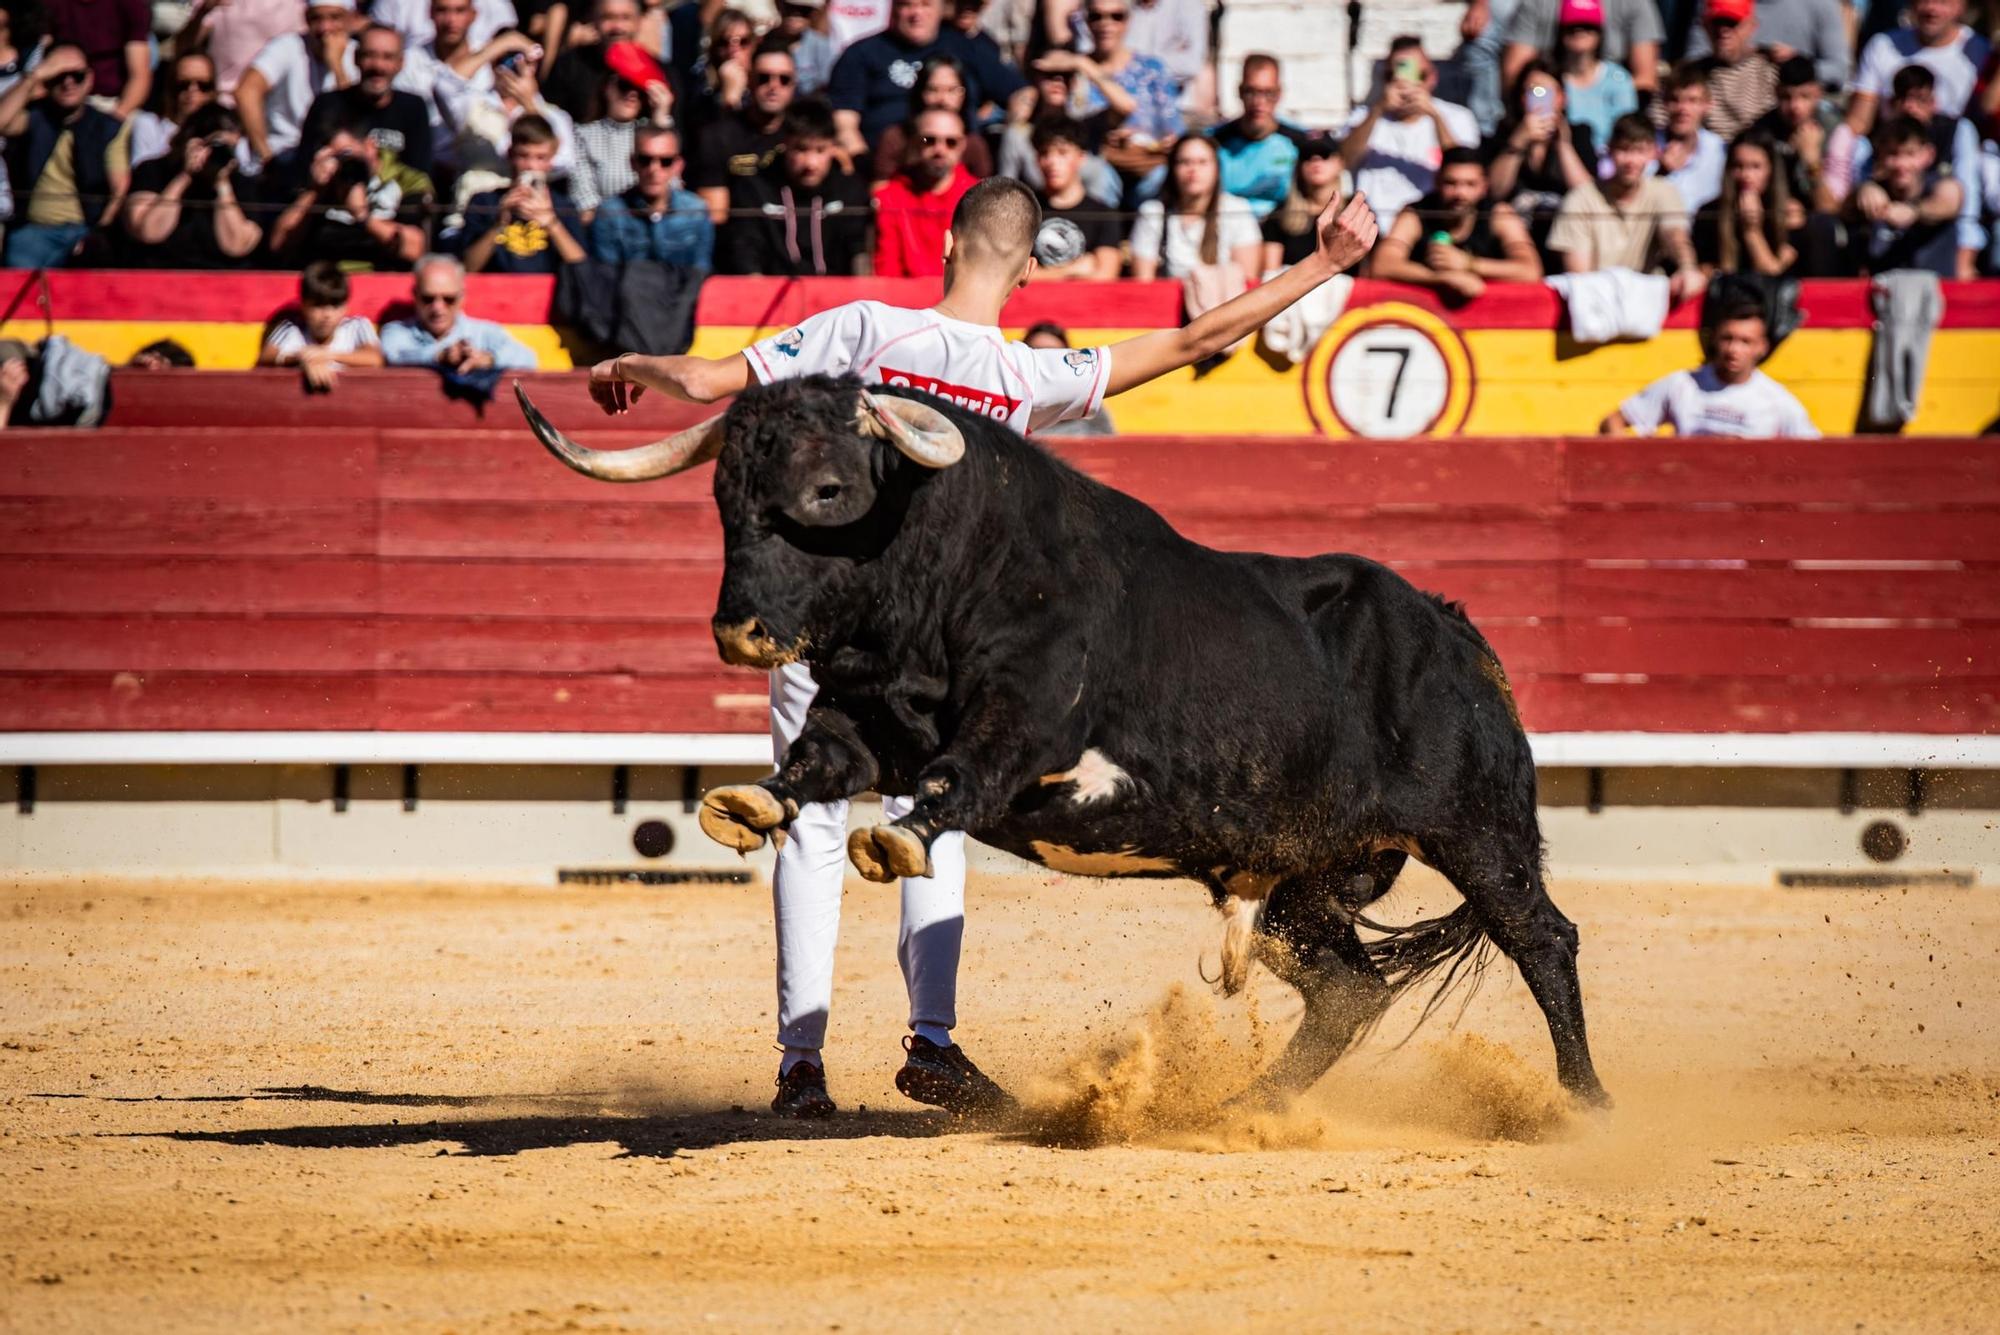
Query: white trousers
{"points": [[805, 899]]}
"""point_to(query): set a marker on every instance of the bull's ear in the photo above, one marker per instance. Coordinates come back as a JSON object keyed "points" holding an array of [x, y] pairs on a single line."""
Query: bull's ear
{"points": [[923, 433], [663, 458]]}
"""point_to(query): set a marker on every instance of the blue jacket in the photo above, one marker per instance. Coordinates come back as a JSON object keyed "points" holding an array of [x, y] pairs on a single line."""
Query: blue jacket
{"points": [[625, 230]]}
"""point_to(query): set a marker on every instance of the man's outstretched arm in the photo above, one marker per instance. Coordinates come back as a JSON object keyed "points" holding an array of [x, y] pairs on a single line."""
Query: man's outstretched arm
{"points": [[616, 384], [1346, 234]]}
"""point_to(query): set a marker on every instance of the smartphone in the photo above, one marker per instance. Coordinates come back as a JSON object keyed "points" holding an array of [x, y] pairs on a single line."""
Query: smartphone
{"points": [[512, 62], [1541, 100], [534, 181], [1412, 70]]}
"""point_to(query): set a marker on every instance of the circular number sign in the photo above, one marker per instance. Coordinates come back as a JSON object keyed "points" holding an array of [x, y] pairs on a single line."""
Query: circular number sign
{"points": [[1389, 371]]}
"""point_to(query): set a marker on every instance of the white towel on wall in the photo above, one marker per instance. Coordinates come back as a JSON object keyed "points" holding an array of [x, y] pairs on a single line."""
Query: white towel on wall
{"points": [[1613, 303]]}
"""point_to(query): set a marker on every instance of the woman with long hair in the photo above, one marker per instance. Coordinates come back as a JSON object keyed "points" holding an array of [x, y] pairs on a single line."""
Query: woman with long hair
{"points": [[182, 212], [940, 86], [1752, 232], [181, 86], [1194, 225], [723, 72], [1289, 233], [1538, 155]]}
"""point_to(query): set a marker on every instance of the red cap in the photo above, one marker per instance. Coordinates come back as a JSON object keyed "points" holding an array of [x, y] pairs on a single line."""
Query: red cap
{"points": [[629, 61], [1730, 9], [1581, 12]]}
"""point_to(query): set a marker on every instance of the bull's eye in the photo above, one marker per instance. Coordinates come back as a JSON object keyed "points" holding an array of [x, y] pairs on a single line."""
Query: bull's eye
{"points": [[827, 492]]}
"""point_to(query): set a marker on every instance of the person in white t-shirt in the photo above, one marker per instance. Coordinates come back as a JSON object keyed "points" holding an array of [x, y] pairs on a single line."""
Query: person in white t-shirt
{"points": [[324, 338], [1729, 396], [1936, 40], [1394, 144], [281, 83], [956, 351]]}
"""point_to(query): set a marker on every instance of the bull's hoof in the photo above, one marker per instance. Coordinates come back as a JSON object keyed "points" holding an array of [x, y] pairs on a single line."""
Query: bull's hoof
{"points": [[885, 852], [737, 816]]}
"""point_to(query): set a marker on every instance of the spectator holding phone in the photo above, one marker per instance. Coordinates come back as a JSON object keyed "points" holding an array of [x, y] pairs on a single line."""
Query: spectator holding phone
{"points": [[352, 210], [182, 212], [1906, 215], [324, 338], [1538, 155], [530, 226], [1393, 144]]}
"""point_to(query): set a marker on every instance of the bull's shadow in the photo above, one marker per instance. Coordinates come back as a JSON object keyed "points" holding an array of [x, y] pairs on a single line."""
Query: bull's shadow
{"points": [[543, 1122]]}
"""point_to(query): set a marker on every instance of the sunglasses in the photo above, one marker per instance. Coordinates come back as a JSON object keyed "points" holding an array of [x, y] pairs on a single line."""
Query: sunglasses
{"points": [[777, 77], [439, 298], [68, 78], [937, 140], [198, 85], [1104, 15], [645, 160]]}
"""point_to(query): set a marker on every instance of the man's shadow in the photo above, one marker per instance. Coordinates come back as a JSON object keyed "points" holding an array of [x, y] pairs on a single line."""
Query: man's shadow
{"points": [[542, 1122]]}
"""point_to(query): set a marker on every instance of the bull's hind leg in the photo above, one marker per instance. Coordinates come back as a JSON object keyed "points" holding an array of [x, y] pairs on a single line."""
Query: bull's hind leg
{"points": [[1307, 938], [1505, 889]]}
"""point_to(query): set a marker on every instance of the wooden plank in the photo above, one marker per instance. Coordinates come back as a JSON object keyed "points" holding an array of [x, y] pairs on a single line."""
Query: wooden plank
{"points": [[1780, 593], [578, 590], [1741, 534], [607, 528], [1758, 704], [1725, 649], [1389, 536], [93, 701], [190, 584], [146, 526], [210, 463], [728, 700], [511, 466], [1671, 471]]}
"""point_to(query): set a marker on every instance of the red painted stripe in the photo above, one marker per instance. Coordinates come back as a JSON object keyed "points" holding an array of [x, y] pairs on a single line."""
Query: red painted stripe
{"points": [[111, 294], [1672, 471], [1733, 704]]}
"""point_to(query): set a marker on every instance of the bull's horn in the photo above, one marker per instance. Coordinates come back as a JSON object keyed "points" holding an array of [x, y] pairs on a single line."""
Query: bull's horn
{"points": [[923, 433], [662, 458]]}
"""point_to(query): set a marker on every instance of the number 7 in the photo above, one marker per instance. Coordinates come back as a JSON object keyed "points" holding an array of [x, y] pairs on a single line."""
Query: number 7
{"points": [[1402, 356]]}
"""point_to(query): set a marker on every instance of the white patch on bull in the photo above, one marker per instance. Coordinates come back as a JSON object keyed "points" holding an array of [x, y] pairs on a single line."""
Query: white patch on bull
{"points": [[1118, 862], [1242, 911], [1097, 778]]}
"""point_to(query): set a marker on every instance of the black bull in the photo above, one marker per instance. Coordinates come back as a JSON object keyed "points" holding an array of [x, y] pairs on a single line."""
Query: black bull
{"points": [[1045, 664]]}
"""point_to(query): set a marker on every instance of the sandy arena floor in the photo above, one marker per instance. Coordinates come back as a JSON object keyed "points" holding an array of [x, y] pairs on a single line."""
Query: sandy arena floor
{"points": [[417, 1108]]}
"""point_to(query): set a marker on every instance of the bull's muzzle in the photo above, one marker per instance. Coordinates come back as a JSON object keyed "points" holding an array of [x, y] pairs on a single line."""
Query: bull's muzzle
{"points": [[748, 644]]}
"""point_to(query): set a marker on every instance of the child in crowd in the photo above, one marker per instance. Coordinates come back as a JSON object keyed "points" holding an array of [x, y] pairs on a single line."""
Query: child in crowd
{"points": [[324, 337]]}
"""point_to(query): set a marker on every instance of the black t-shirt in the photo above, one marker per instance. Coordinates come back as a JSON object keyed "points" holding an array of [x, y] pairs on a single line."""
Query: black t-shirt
{"points": [[192, 245], [875, 75], [783, 229], [402, 128], [1294, 246], [1099, 228], [730, 147], [1542, 183]]}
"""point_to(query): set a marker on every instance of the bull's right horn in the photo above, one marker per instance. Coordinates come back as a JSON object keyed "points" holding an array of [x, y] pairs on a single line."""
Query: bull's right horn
{"points": [[642, 463]]}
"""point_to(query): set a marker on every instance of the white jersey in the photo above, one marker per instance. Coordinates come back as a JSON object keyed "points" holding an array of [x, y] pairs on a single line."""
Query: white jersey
{"points": [[351, 335], [969, 364], [1697, 403]]}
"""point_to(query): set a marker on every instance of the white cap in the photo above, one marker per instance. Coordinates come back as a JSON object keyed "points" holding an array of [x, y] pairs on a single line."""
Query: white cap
{"points": [[346, 6]]}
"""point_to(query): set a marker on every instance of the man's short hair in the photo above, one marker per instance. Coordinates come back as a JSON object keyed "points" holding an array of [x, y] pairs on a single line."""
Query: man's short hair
{"points": [[533, 129], [1632, 129], [1798, 71], [1409, 41], [774, 43], [435, 260], [1912, 79], [647, 132], [1259, 60], [1461, 157], [809, 118], [1060, 130], [910, 127], [322, 284], [1900, 132], [1047, 329], [1687, 77], [1743, 308], [997, 218], [382, 27]]}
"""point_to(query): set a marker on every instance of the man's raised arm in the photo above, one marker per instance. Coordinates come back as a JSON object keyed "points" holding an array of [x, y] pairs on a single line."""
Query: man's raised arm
{"points": [[616, 384], [1346, 234]]}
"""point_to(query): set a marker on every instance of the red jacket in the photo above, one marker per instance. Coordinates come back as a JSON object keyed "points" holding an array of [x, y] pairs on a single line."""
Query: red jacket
{"points": [[910, 228]]}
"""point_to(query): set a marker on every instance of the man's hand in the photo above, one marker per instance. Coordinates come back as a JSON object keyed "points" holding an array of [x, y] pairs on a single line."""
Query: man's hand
{"points": [[1465, 283], [518, 85], [609, 389], [1779, 53], [1478, 15], [1686, 285], [1810, 140], [1447, 259], [454, 354], [333, 50], [1346, 235], [64, 60], [536, 207], [516, 203], [324, 164], [1900, 216], [659, 103], [194, 156], [13, 379], [1872, 201], [475, 359]]}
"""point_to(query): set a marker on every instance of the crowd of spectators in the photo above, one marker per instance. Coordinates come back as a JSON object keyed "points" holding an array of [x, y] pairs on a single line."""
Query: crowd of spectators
{"points": [[1691, 137]]}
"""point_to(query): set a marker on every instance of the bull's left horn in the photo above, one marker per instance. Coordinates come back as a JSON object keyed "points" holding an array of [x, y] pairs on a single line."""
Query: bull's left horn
{"points": [[923, 433], [642, 463]]}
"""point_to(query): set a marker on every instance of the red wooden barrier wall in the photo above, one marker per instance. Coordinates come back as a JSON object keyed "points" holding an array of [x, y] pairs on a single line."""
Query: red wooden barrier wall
{"points": [[454, 578]]}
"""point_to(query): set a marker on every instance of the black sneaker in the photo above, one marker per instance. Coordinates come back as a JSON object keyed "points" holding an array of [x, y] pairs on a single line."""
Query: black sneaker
{"points": [[946, 1078], [802, 1092]]}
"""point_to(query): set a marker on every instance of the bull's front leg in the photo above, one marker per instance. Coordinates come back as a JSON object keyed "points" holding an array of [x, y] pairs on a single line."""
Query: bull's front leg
{"points": [[983, 766], [828, 763]]}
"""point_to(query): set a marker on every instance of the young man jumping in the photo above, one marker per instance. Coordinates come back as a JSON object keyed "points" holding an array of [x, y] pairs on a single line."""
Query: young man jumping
{"points": [[954, 350]]}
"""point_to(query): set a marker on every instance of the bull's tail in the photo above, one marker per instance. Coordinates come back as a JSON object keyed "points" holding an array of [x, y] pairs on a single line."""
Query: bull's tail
{"points": [[1451, 953]]}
